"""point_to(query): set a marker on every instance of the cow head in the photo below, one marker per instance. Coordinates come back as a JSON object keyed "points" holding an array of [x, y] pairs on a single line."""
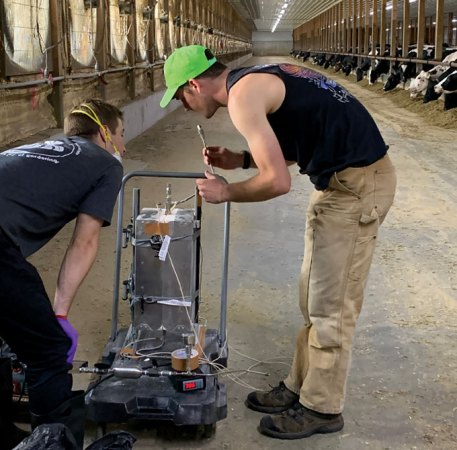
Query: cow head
{"points": [[419, 84], [448, 85], [393, 80]]}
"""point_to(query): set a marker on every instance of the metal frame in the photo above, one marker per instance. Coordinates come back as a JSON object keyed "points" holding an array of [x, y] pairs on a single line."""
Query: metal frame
{"points": [[118, 250]]}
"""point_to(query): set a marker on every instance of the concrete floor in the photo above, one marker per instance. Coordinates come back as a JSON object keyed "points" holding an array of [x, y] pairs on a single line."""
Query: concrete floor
{"points": [[402, 386]]}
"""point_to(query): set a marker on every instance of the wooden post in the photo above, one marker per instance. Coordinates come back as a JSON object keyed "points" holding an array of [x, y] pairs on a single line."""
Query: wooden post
{"points": [[348, 27], [57, 41], [374, 27], [366, 41], [439, 29], [341, 26], [405, 29], [2, 47], [323, 30], [382, 28], [151, 36], [420, 30], [360, 29], [393, 29], [354, 26], [450, 32], [345, 25], [102, 43], [131, 50]]}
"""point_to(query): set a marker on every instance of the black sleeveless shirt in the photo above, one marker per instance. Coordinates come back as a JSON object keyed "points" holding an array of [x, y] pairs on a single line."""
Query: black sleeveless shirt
{"points": [[319, 125]]}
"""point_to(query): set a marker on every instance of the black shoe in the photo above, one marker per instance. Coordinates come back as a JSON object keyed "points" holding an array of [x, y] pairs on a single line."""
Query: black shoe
{"points": [[275, 401], [300, 422]]}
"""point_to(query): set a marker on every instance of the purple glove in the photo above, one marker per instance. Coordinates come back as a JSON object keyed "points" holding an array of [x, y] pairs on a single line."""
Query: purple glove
{"points": [[72, 334]]}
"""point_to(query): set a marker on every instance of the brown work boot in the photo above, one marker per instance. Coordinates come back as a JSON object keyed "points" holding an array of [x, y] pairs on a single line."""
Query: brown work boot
{"points": [[275, 401], [300, 422]]}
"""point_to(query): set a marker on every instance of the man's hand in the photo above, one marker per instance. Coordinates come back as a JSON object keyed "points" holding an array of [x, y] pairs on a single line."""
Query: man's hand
{"points": [[222, 157], [213, 189], [72, 334]]}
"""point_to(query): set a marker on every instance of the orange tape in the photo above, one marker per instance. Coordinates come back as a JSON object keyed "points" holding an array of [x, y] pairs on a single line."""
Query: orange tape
{"points": [[179, 360]]}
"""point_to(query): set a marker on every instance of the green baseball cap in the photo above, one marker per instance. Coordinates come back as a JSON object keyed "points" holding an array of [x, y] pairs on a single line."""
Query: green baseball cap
{"points": [[182, 65]]}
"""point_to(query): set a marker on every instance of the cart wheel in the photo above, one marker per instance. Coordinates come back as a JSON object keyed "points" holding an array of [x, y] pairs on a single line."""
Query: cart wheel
{"points": [[208, 431], [100, 431]]}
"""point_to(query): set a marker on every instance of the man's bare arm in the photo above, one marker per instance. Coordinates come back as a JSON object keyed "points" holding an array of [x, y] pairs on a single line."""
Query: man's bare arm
{"points": [[78, 260]]}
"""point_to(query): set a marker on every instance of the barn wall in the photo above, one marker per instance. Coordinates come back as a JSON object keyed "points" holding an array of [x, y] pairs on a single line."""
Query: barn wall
{"points": [[114, 51], [265, 43]]}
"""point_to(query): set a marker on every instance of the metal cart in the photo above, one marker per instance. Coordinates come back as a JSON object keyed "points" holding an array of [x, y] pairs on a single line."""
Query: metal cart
{"points": [[136, 379]]}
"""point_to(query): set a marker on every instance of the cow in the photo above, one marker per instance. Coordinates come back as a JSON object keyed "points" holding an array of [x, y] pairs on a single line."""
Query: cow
{"points": [[319, 59], [409, 69], [348, 64], [305, 55], [449, 56], [364, 66], [330, 60], [420, 84], [381, 67], [448, 84], [430, 94], [450, 101], [394, 78]]}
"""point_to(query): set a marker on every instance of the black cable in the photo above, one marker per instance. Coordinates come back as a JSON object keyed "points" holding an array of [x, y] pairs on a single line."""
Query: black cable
{"points": [[91, 388]]}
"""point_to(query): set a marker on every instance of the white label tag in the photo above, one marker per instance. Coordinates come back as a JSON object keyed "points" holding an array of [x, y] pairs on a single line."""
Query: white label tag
{"points": [[164, 249], [175, 302]]}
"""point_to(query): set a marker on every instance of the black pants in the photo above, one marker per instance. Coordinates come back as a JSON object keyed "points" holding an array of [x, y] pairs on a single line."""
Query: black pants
{"points": [[30, 328]]}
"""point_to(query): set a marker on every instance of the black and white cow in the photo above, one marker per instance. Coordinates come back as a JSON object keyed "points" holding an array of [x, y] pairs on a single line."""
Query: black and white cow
{"points": [[409, 69], [319, 59], [448, 85], [381, 67], [419, 84], [430, 93], [450, 101], [394, 79], [364, 67]]}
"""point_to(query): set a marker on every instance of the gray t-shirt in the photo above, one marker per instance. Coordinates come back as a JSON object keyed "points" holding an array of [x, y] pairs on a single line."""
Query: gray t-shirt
{"points": [[44, 186]]}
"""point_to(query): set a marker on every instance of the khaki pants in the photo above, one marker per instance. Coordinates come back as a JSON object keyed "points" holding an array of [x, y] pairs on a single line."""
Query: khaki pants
{"points": [[341, 229]]}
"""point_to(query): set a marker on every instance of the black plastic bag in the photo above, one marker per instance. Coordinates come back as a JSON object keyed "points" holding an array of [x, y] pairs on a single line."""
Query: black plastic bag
{"points": [[116, 440], [56, 436], [52, 436]]}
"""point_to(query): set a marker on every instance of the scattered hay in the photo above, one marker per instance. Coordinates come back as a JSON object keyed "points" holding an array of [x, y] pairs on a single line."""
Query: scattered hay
{"points": [[432, 112]]}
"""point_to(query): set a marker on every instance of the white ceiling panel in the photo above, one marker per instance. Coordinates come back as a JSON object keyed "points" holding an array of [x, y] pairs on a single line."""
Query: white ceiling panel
{"points": [[262, 14]]}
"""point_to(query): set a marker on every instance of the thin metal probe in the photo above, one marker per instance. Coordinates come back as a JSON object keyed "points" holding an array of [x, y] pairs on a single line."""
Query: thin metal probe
{"points": [[201, 133]]}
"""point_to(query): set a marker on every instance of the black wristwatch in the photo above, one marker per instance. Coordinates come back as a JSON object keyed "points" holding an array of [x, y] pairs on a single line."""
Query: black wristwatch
{"points": [[246, 160]]}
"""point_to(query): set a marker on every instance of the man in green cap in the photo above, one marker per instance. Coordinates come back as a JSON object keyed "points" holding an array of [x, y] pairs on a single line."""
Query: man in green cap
{"points": [[292, 115]]}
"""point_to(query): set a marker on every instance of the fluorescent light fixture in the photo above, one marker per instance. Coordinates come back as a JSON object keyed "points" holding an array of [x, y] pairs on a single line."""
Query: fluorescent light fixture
{"points": [[274, 26], [280, 14]]}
